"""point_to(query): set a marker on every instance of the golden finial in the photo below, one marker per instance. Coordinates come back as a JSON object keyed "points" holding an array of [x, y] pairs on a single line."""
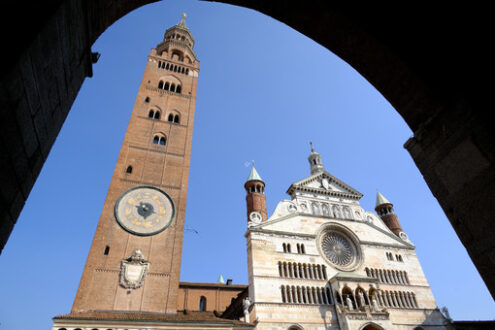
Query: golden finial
{"points": [[184, 15]]}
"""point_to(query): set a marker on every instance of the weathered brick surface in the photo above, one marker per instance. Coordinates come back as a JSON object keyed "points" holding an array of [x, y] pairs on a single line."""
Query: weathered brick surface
{"points": [[162, 166]]}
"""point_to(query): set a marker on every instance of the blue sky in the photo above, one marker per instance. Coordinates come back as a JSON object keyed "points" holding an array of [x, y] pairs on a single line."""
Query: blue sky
{"points": [[264, 92]]}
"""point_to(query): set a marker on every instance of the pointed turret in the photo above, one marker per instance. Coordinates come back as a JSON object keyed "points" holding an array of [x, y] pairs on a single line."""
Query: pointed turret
{"points": [[255, 198], [178, 42], [314, 160], [385, 210]]}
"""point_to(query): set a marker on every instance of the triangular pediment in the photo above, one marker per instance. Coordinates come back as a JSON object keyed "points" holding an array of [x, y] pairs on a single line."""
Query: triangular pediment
{"points": [[324, 183]]}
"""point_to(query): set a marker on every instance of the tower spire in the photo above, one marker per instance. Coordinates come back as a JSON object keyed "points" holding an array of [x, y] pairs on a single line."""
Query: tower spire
{"points": [[182, 22], [255, 197], [385, 210], [314, 160]]}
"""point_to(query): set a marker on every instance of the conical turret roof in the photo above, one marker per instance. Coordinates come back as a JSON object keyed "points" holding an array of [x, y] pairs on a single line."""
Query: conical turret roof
{"points": [[380, 199], [254, 175]]}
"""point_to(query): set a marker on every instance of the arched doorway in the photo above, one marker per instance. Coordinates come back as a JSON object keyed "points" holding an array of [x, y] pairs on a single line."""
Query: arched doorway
{"points": [[371, 326]]}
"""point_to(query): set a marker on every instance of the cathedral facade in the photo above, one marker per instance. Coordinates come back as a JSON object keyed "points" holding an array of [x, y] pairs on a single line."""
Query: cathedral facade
{"points": [[318, 262], [321, 261]]}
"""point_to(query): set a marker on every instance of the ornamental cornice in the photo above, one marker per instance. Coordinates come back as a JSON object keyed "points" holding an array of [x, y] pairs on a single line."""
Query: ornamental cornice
{"points": [[324, 192], [272, 233], [299, 185], [188, 66]]}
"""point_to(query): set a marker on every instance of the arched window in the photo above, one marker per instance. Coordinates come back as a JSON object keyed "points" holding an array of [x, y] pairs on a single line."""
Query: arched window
{"points": [[129, 169], [167, 86], [162, 141], [107, 250], [178, 89], [147, 99], [288, 248], [176, 119], [167, 67], [303, 250], [151, 114], [284, 247], [160, 85], [170, 117], [156, 139], [172, 88], [202, 304], [157, 115]]}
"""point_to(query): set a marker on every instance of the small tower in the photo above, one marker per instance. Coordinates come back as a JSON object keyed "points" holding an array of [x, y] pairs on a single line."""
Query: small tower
{"points": [[385, 210], [314, 160], [255, 198]]}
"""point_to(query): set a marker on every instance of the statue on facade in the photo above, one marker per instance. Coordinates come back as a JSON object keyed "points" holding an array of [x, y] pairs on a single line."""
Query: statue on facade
{"points": [[362, 302], [246, 303], [348, 301], [375, 304]]}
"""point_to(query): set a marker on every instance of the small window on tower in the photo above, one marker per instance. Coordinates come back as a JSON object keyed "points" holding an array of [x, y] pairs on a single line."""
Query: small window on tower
{"points": [[151, 114], [167, 86], [162, 141], [107, 250], [147, 99], [176, 119], [160, 85], [156, 139], [157, 115], [179, 88], [170, 117], [129, 169]]}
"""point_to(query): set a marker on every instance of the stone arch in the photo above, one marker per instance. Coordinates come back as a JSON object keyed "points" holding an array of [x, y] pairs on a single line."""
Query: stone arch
{"points": [[347, 293], [371, 326], [433, 103]]}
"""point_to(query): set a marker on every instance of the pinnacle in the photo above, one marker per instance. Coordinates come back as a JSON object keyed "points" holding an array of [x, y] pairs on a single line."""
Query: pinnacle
{"points": [[380, 199]]}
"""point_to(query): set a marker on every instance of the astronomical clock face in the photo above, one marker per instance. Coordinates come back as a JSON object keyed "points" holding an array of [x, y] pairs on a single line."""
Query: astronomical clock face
{"points": [[144, 211]]}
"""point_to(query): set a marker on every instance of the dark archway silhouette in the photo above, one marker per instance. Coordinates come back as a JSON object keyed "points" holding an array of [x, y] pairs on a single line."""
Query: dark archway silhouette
{"points": [[427, 64]]}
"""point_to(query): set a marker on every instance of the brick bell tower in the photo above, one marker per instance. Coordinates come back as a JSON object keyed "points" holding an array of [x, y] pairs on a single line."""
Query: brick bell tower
{"points": [[385, 210], [255, 198], [135, 258]]}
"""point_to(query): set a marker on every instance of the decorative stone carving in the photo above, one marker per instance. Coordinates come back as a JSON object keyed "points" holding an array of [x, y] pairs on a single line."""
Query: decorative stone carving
{"points": [[291, 208], [133, 270], [339, 247], [361, 299], [246, 303], [375, 304], [348, 302]]}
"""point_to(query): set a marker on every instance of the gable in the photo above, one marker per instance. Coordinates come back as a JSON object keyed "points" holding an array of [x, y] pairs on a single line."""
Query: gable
{"points": [[324, 183]]}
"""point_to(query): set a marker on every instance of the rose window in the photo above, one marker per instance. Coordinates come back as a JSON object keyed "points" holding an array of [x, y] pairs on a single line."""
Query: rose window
{"points": [[340, 248], [337, 249]]}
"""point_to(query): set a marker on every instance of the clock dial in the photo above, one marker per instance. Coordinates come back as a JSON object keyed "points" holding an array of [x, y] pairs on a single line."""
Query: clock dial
{"points": [[144, 210]]}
